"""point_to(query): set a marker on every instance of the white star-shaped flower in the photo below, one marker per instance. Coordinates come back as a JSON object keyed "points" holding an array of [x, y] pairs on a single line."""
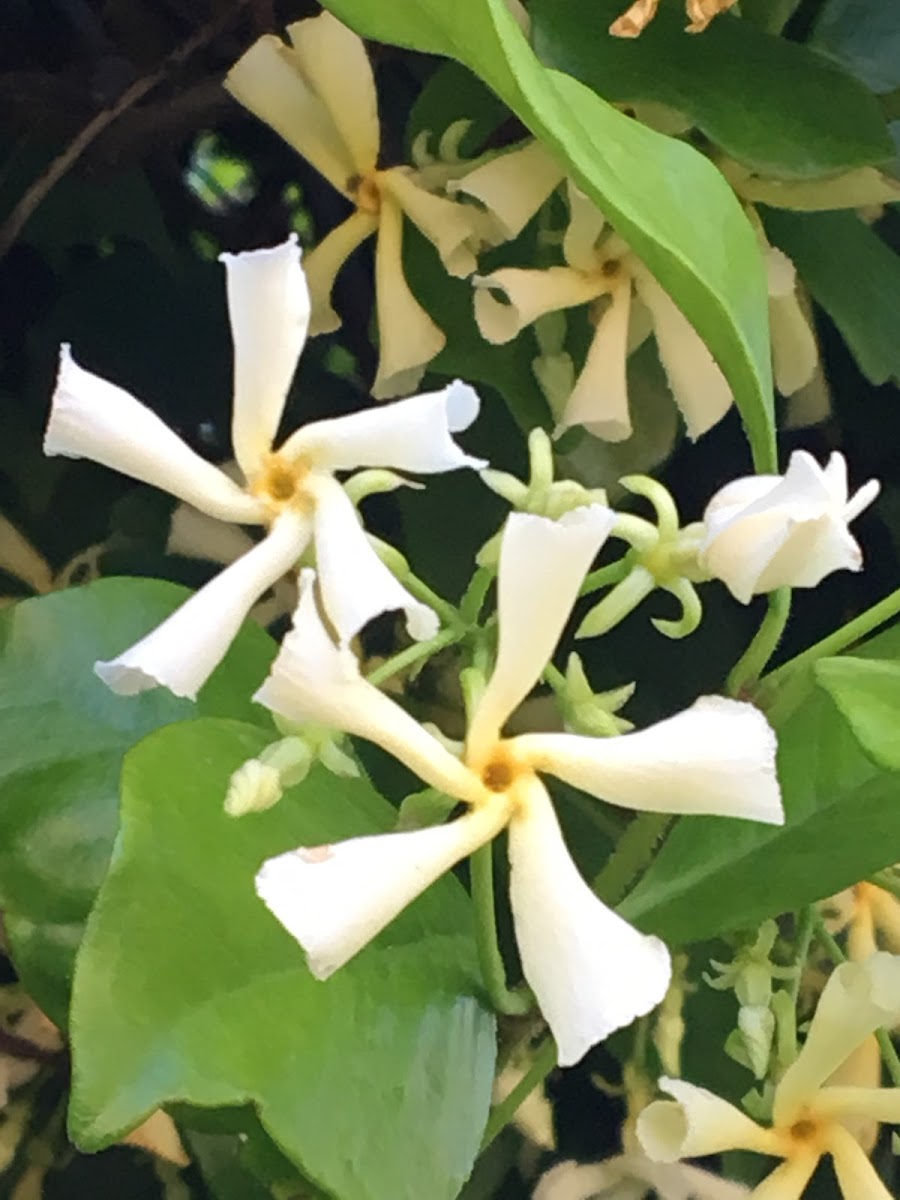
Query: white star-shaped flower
{"points": [[291, 490], [814, 1114], [609, 269], [591, 971]]}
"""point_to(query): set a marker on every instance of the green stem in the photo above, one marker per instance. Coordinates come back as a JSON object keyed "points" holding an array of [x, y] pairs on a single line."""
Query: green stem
{"points": [[805, 929], [753, 661], [852, 632], [605, 576], [631, 857], [444, 609], [492, 969], [837, 956], [413, 654], [502, 1113], [471, 603], [887, 880], [555, 678]]}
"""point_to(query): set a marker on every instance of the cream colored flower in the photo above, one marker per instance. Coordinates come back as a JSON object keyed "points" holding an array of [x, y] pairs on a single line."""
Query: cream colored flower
{"points": [[591, 971], [319, 95], [769, 531], [607, 270], [634, 1177], [292, 491], [812, 1115], [867, 914]]}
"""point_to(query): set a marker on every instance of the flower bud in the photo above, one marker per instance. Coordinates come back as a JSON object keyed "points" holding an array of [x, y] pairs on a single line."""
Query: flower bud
{"points": [[769, 531]]}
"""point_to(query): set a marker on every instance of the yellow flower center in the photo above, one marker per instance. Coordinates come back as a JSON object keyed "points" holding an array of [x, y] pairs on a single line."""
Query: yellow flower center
{"points": [[279, 484], [366, 193], [611, 268]]}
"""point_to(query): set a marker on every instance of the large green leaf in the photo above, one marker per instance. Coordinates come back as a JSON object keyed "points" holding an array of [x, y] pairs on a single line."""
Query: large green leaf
{"points": [[651, 187], [832, 249], [376, 1083], [865, 37], [714, 874], [867, 694], [62, 737], [757, 96]]}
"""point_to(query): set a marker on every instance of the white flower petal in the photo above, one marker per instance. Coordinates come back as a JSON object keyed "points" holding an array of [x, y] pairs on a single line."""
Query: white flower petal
{"points": [[857, 1178], [591, 972], [529, 294], [323, 263], [268, 307], [451, 228], [586, 223], [858, 999], [881, 1105], [408, 339], [335, 64], [513, 186], [788, 1181], [183, 652], [696, 1123], [700, 389], [812, 550], [335, 899], [542, 566], [580, 1181], [862, 499], [268, 81], [312, 680], [356, 585], [409, 435], [718, 756], [599, 400], [91, 418]]}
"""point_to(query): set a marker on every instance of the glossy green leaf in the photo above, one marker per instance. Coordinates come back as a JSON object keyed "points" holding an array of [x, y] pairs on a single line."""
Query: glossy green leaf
{"points": [[853, 275], [756, 96], [865, 37], [62, 737], [714, 874], [868, 696], [651, 187], [376, 1082]]}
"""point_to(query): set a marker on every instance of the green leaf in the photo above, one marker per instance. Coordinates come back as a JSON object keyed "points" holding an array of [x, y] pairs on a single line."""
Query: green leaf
{"points": [[853, 275], [651, 187], [62, 737], [868, 696], [376, 1082], [865, 37], [755, 95], [714, 874]]}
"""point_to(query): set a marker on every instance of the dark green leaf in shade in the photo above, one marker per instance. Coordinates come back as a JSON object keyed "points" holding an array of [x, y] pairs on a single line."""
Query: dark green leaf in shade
{"points": [[867, 694], [853, 275], [651, 187], [756, 96], [714, 875], [865, 37], [62, 737], [376, 1082]]}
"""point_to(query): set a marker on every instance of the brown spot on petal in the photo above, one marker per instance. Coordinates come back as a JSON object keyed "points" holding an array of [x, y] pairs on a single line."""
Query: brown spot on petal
{"points": [[315, 854], [804, 1130]]}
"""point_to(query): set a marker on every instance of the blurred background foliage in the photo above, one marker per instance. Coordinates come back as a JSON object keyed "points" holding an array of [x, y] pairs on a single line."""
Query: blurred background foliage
{"points": [[125, 169]]}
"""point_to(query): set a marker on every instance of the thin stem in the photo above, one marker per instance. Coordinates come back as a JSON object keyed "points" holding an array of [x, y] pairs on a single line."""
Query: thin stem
{"points": [[805, 930], [555, 678], [444, 609], [632, 856], [852, 632], [502, 1113], [753, 661], [489, 956], [473, 600], [413, 654], [605, 576], [885, 1044]]}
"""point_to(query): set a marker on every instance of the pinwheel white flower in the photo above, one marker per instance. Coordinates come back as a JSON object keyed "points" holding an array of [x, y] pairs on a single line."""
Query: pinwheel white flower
{"points": [[769, 531], [813, 1116], [291, 490], [634, 1177], [611, 270], [319, 95], [590, 970]]}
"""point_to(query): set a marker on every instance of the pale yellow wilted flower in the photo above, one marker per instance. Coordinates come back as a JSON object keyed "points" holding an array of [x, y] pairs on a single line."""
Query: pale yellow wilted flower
{"points": [[605, 269], [635, 19], [319, 95]]}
